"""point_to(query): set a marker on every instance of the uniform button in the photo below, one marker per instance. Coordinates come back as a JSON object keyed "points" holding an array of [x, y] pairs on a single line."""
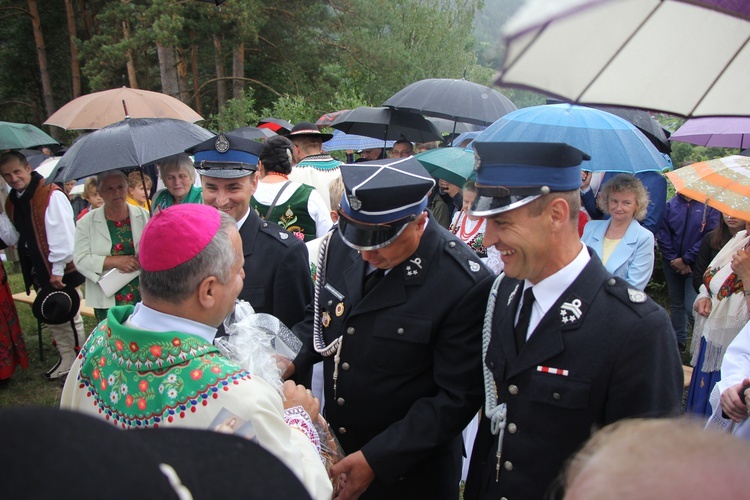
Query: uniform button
{"points": [[342, 430], [503, 498], [265, 224], [452, 244], [350, 330], [513, 389], [512, 428], [345, 366], [492, 364], [556, 395], [330, 302], [400, 331], [508, 466], [340, 401], [611, 282]]}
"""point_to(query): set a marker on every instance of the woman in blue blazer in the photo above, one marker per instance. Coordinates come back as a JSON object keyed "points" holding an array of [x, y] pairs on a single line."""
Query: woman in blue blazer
{"points": [[625, 247]]}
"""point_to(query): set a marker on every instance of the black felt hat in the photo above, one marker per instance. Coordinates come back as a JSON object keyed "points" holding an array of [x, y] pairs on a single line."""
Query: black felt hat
{"points": [[51, 453], [55, 307], [310, 130]]}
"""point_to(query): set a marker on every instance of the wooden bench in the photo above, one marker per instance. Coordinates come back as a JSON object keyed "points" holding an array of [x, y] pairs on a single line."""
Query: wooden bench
{"points": [[22, 298]]}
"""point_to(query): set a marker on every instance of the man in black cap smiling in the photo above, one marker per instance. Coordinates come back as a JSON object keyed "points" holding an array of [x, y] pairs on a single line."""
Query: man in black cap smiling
{"points": [[396, 320], [313, 166], [566, 346], [277, 271]]}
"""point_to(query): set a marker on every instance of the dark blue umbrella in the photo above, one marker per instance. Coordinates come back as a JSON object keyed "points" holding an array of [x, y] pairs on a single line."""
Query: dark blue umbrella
{"points": [[614, 144]]}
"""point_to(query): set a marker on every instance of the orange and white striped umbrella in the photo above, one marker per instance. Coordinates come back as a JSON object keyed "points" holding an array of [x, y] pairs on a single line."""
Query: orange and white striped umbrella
{"points": [[723, 184]]}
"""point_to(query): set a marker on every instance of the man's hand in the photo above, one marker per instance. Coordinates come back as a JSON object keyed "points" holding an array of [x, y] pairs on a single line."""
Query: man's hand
{"points": [[731, 403], [703, 306], [297, 395], [359, 475], [56, 282]]}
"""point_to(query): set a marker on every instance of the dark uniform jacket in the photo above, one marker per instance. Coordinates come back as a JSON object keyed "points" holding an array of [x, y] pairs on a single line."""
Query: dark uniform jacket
{"points": [[277, 270], [410, 375], [620, 353]]}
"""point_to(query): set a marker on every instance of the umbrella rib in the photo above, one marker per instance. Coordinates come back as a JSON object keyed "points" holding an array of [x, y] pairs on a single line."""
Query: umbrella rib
{"points": [[729, 63], [622, 46]]}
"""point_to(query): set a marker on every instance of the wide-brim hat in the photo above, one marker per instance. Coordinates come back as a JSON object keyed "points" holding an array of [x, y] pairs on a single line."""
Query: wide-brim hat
{"points": [[226, 156], [380, 198], [51, 453], [55, 307], [307, 129], [512, 174]]}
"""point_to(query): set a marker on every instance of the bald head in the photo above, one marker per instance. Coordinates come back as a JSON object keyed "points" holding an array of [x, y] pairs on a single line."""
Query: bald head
{"points": [[657, 459]]}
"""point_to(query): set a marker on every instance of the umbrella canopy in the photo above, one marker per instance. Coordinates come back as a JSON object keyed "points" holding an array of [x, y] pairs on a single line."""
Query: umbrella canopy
{"points": [[326, 119], [723, 184], [22, 135], [342, 141], [457, 100], [130, 143], [34, 157], [636, 53], [455, 165], [447, 126], [99, 109], [277, 125], [48, 166], [386, 124], [614, 144], [253, 133], [720, 132], [466, 135]]}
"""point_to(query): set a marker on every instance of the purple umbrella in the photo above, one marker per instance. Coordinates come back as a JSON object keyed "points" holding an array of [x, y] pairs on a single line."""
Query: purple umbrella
{"points": [[720, 132]]}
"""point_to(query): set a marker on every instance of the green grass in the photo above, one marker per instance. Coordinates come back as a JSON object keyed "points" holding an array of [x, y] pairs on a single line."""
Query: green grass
{"points": [[27, 387]]}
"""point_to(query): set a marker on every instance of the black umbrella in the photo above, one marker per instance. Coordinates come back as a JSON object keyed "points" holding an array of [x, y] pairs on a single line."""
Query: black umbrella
{"points": [[457, 100], [651, 128], [130, 143], [34, 157], [253, 132], [387, 124], [281, 127]]}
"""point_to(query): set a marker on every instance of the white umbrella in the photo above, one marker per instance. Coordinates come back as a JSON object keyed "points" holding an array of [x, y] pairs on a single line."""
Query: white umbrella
{"points": [[686, 57]]}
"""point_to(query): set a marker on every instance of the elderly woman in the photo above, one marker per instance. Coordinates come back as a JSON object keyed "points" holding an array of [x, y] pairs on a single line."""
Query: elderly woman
{"points": [[296, 207], [178, 174], [722, 310], [625, 247], [107, 238]]}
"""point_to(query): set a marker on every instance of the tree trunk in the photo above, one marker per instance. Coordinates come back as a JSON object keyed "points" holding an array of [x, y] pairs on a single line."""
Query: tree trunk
{"points": [[41, 52], [130, 63], [86, 16], [196, 73], [182, 74], [147, 68], [238, 69], [221, 91], [168, 70], [75, 64]]}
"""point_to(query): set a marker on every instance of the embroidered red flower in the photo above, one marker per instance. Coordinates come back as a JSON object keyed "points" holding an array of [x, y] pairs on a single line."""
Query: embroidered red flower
{"points": [[141, 404], [155, 350], [299, 235], [134, 347], [118, 224], [176, 342], [103, 384], [196, 374], [129, 297], [118, 297], [119, 345], [142, 386], [128, 400], [216, 369], [102, 361], [95, 374]]}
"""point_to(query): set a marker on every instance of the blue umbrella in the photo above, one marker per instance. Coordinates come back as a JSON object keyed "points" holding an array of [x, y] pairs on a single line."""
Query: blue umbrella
{"points": [[342, 141], [455, 165], [615, 145]]}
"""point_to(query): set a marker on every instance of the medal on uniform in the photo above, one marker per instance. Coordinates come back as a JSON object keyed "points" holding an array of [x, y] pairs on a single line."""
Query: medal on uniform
{"points": [[325, 319], [339, 309]]}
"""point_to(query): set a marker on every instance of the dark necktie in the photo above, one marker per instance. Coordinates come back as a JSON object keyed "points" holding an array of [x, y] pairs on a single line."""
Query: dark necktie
{"points": [[371, 280], [524, 317]]}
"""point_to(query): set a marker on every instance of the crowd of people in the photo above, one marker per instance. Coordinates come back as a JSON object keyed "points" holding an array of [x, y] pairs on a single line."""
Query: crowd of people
{"points": [[513, 305]]}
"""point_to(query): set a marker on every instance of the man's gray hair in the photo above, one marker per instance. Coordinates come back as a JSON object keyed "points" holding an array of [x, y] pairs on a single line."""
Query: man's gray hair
{"points": [[216, 259]]}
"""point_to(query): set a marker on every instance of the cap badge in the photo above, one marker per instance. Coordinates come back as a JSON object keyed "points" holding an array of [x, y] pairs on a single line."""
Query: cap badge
{"points": [[222, 144], [355, 202], [474, 266], [570, 311], [636, 296]]}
